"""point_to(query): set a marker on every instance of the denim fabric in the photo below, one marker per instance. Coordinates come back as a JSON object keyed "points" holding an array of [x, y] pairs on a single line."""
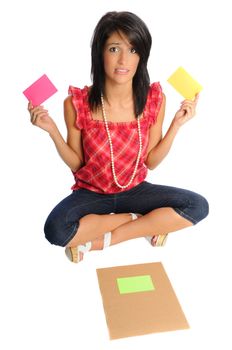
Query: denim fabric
{"points": [[63, 222]]}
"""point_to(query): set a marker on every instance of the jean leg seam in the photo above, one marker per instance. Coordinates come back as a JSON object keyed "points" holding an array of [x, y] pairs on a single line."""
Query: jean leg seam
{"points": [[74, 231], [186, 216]]}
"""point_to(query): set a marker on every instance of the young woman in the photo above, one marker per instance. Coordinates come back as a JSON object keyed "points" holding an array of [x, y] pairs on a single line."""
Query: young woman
{"points": [[115, 135]]}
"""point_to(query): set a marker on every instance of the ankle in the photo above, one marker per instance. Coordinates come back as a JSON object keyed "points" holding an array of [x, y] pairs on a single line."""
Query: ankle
{"points": [[97, 244]]}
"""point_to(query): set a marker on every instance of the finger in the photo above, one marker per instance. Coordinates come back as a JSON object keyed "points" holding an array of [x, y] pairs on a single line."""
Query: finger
{"points": [[188, 104], [196, 97], [189, 112], [33, 118], [37, 110], [34, 108], [30, 106], [185, 109], [191, 104], [38, 114], [186, 100]]}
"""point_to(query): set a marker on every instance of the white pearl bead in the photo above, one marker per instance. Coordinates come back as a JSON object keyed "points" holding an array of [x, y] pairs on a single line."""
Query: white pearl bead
{"points": [[111, 149]]}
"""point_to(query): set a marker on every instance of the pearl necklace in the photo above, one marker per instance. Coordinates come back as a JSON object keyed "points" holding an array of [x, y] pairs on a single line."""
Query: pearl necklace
{"points": [[112, 152]]}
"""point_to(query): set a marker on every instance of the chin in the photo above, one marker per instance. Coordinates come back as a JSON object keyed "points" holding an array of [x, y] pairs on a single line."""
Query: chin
{"points": [[123, 79]]}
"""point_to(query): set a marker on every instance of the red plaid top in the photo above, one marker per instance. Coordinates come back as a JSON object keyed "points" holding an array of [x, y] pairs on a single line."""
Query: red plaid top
{"points": [[96, 173]]}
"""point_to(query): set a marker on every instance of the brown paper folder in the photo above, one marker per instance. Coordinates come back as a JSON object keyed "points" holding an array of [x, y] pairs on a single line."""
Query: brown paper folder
{"points": [[138, 313]]}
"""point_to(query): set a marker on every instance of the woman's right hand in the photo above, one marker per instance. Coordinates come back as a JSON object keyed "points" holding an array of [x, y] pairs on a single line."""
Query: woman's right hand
{"points": [[40, 117]]}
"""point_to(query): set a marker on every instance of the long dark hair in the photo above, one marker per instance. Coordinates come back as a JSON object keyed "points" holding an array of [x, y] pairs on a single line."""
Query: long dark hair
{"points": [[139, 36]]}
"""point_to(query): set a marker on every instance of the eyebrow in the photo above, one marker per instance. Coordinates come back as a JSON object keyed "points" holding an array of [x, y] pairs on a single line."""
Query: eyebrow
{"points": [[118, 43], [113, 44]]}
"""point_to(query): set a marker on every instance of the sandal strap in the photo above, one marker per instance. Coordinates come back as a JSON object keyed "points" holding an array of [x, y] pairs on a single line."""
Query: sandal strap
{"points": [[133, 216], [107, 240], [159, 242], [85, 247], [148, 238]]}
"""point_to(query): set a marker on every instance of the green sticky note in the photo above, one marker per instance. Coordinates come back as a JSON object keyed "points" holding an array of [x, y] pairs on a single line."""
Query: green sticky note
{"points": [[135, 284]]}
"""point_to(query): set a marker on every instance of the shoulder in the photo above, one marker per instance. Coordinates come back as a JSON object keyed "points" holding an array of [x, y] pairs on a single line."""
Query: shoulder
{"points": [[155, 95], [155, 100], [155, 90], [77, 92], [78, 97], [76, 106]]}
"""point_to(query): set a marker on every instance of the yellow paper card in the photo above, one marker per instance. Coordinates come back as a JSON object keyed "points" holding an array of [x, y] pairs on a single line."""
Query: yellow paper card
{"points": [[184, 83]]}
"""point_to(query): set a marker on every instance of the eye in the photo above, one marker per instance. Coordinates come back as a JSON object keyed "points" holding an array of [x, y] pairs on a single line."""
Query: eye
{"points": [[113, 49], [133, 50]]}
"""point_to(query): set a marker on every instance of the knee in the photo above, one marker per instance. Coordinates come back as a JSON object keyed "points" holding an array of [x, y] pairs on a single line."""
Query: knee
{"points": [[56, 232], [202, 208], [51, 232]]}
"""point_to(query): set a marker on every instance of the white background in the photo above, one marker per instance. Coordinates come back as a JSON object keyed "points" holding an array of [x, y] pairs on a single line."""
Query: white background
{"points": [[47, 302]]}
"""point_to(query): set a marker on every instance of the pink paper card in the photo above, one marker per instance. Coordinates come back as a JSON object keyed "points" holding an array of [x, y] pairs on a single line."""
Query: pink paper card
{"points": [[40, 90]]}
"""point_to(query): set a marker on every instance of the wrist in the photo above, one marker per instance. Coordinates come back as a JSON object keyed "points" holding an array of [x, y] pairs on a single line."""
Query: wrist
{"points": [[53, 132], [175, 126]]}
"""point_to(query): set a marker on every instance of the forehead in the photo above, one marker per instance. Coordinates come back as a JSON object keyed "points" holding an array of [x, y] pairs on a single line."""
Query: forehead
{"points": [[119, 38]]}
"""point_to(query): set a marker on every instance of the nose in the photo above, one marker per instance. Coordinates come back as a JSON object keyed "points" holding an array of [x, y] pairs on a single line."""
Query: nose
{"points": [[122, 57]]}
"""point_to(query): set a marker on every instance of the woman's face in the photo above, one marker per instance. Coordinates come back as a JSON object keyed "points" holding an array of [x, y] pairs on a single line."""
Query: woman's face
{"points": [[120, 59]]}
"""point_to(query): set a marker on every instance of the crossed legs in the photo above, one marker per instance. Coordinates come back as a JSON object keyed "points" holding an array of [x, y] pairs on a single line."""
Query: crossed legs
{"points": [[93, 227], [70, 223]]}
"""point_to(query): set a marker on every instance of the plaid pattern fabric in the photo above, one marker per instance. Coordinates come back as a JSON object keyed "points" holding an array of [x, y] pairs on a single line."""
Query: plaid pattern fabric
{"points": [[96, 174]]}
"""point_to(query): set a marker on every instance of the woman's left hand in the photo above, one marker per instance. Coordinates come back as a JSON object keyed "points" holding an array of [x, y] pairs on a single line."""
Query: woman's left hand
{"points": [[186, 112]]}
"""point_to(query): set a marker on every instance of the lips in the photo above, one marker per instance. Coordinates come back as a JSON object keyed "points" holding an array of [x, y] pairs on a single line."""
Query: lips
{"points": [[121, 71]]}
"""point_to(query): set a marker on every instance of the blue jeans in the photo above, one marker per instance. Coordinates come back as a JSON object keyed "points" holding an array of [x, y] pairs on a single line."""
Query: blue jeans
{"points": [[63, 222]]}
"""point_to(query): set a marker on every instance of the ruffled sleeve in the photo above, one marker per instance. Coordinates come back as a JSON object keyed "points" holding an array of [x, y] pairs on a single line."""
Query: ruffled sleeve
{"points": [[79, 103], [154, 101]]}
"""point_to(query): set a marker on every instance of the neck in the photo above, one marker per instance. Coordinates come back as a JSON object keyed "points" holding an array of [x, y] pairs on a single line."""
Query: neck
{"points": [[118, 94]]}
